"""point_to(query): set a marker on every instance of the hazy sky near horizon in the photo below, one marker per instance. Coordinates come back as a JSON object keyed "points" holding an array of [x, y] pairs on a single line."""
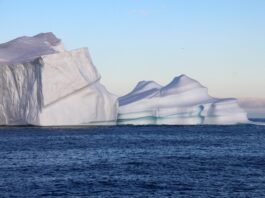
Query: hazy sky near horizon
{"points": [[220, 43]]}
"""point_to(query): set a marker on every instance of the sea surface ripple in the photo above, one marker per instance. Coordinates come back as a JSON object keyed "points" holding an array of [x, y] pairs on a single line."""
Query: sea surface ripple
{"points": [[133, 161]]}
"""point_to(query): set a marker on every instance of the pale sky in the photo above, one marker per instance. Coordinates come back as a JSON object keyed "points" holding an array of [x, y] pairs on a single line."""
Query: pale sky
{"points": [[220, 43]]}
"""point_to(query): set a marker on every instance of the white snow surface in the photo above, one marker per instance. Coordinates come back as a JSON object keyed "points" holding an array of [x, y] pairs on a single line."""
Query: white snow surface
{"points": [[182, 101], [41, 83]]}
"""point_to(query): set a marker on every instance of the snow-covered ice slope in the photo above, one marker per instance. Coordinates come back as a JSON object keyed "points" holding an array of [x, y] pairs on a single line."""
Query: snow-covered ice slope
{"points": [[182, 101], [41, 83]]}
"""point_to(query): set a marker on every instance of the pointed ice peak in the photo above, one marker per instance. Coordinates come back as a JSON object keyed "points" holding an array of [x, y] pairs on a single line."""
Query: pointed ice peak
{"points": [[179, 84], [145, 86], [24, 49], [182, 79], [48, 37], [143, 90]]}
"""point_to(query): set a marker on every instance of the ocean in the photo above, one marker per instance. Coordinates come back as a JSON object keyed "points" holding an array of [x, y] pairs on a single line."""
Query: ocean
{"points": [[133, 161]]}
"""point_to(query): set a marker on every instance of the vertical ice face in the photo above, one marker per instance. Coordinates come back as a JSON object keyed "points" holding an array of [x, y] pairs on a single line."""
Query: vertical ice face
{"points": [[182, 101], [44, 84], [21, 93], [74, 95]]}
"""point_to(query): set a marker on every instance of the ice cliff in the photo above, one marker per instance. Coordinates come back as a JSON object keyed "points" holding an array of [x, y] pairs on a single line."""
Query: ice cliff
{"points": [[41, 83], [182, 101]]}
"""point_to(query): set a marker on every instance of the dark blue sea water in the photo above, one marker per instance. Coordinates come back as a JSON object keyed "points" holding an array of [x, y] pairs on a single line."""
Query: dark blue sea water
{"points": [[127, 161]]}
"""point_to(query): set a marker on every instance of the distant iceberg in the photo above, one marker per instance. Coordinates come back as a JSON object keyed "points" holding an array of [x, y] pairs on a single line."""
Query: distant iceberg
{"points": [[184, 101], [41, 83], [255, 107]]}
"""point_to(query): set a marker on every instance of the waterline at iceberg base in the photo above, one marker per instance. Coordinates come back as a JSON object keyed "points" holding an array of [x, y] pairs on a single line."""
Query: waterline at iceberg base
{"points": [[43, 84]]}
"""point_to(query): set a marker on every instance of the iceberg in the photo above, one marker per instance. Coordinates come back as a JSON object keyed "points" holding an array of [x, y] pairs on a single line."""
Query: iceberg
{"points": [[43, 84], [184, 101]]}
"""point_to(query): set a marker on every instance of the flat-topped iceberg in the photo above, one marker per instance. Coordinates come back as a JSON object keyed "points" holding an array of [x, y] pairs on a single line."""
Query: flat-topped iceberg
{"points": [[41, 83], [182, 101]]}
